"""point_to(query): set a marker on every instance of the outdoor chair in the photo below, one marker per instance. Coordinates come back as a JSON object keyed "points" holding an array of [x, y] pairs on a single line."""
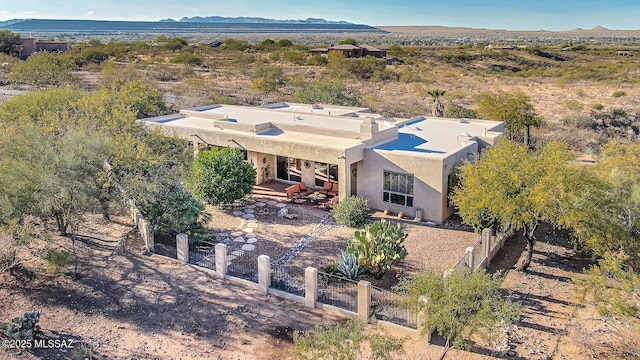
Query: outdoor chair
{"points": [[293, 192], [328, 186], [334, 190], [304, 190]]}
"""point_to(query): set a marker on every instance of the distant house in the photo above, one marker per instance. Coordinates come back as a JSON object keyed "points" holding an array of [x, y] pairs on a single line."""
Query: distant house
{"points": [[624, 53], [30, 45], [350, 51], [347, 50], [374, 51], [500, 47]]}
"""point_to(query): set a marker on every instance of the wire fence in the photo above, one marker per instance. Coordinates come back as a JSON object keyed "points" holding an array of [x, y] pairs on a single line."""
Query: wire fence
{"points": [[243, 265], [203, 254], [338, 291], [288, 278], [387, 305], [461, 265], [166, 246]]}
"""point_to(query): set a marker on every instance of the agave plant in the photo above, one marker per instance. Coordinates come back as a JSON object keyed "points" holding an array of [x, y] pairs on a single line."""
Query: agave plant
{"points": [[349, 267]]}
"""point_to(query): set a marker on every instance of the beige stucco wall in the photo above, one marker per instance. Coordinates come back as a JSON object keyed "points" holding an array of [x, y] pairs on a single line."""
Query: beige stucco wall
{"points": [[430, 180]]}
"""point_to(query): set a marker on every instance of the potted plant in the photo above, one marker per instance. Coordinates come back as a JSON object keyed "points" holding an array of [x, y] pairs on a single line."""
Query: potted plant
{"points": [[386, 212], [400, 215]]}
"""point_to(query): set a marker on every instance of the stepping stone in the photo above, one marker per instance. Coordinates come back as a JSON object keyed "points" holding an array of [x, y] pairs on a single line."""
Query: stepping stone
{"points": [[260, 204], [249, 216], [237, 253], [237, 233], [250, 201], [271, 202], [281, 205], [239, 239], [248, 247], [238, 213], [252, 225], [248, 230], [249, 211], [252, 240], [249, 207], [252, 221], [231, 257], [250, 235]]}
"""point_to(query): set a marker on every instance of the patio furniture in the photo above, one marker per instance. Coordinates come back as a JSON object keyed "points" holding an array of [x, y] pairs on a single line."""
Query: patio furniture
{"points": [[316, 197], [293, 192], [304, 190], [334, 190], [331, 203], [327, 186]]}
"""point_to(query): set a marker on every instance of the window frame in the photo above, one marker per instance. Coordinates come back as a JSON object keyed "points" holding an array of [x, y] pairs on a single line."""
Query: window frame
{"points": [[399, 181]]}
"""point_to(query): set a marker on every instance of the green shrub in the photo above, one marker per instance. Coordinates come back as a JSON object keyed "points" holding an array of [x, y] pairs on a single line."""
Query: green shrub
{"points": [[378, 247], [459, 112], [318, 60], [597, 106], [573, 105], [344, 342], [179, 212], [58, 260], [352, 211], [619, 93], [82, 351], [229, 100], [187, 58], [349, 267], [22, 327]]}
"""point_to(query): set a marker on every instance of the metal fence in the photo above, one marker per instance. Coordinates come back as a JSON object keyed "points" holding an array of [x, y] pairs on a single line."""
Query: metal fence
{"points": [[387, 305], [166, 246], [243, 265], [203, 254], [461, 265], [288, 278], [338, 291]]}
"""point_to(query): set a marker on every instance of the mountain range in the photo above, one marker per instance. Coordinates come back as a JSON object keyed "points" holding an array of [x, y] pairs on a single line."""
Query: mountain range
{"points": [[253, 20]]}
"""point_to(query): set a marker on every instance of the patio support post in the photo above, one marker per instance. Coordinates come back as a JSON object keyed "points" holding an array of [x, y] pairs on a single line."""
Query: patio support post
{"points": [[264, 274], [221, 260], [182, 246], [364, 300], [310, 287]]}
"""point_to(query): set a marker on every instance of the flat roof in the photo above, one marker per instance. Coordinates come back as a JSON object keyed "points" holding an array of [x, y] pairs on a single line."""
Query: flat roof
{"points": [[439, 137]]}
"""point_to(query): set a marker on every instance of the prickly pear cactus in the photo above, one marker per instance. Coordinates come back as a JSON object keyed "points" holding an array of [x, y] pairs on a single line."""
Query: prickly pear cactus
{"points": [[22, 327], [378, 247]]}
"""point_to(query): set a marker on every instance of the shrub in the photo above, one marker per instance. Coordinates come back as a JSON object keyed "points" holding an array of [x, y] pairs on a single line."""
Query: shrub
{"points": [[619, 93], [187, 58], [378, 247], [82, 351], [573, 105], [323, 91], [229, 100], [8, 253], [597, 106], [22, 327], [459, 112], [57, 260], [318, 60], [179, 212], [352, 211], [343, 341], [349, 267]]}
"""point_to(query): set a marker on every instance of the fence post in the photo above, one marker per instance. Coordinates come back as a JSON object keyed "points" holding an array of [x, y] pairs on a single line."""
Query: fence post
{"points": [[182, 246], [469, 258], [221, 260], [486, 244], [148, 236], [364, 300], [310, 287], [264, 273], [138, 217], [422, 319]]}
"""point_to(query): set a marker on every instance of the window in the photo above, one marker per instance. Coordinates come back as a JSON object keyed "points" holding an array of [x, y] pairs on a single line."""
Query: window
{"points": [[325, 172], [289, 169], [398, 188]]}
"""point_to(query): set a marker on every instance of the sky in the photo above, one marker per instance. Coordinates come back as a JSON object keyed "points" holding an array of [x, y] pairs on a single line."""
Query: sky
{"points": [[492, 14]]}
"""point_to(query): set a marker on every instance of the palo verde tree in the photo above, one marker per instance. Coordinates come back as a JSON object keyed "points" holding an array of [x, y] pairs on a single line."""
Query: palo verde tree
{"points": [[513, 187], [515, 109], [43, 69], [461, 305], [221, 177], [9, 42]]}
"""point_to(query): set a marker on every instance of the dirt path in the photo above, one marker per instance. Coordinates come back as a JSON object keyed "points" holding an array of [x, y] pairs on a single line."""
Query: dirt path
{"points": [[140, 307]]}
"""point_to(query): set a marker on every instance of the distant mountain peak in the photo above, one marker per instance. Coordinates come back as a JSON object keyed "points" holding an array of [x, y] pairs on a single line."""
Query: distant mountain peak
{"points": [[600, 28], [254, 20]]}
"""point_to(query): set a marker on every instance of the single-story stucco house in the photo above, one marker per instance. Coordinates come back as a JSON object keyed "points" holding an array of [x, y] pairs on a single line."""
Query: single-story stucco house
{"points": [[403, 165]]}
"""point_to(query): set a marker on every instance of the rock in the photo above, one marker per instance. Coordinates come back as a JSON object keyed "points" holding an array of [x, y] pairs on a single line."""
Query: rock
{"points": [[248, 247], [283, 212]]}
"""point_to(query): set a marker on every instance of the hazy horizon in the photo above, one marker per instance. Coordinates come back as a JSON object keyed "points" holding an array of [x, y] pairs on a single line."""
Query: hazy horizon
{"points": [[552, 15]]}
